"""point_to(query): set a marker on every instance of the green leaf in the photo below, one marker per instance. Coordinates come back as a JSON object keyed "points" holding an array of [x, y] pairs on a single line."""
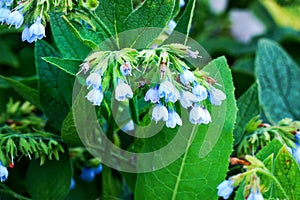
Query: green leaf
{"points": [[69, 132], [26, 92], [184, 23], [87, 36], [203, 165], [248, 107], [55, 86], [50, 181], [278, 84], [152, 13], [67, 43], [70, 66], [272, 148], [113, 14], [287, 172]]}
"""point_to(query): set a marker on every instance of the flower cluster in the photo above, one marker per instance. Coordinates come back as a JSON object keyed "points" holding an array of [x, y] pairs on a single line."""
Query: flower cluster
{"points": [[14, 16], [166, 81]]}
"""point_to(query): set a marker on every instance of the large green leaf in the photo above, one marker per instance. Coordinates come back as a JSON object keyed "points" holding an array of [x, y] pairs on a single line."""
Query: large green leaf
{"points": [[67, 43], [152, 13], [278, 84], [69, 132], [287, 171], [55, 86], [26, 92], [50, 181], [248, 106], [203, 165]]}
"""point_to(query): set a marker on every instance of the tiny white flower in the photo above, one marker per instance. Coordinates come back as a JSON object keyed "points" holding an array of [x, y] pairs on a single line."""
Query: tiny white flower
{"points": [[123, 91], [200, 92], [187, 77], [168, 91], [94, 80], [128, 127], [216, 96], [159, 112], [171, 26], [198, 115], [173, 119], [187, 99], [95, 96], [218, 6]]}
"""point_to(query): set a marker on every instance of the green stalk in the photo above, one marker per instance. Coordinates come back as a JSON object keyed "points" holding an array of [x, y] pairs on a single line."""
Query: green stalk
{"points": [[6, 190]]}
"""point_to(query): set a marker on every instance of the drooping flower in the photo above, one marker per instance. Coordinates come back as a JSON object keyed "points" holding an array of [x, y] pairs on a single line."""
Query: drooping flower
{"points": [[3, 172], [94, 80], [153, 95], [37, 30], [173, 119], [187, 99], [181, 3], [171, 26], [159, 112], [216, 96], [15, 18], [95, 96], [4, 13], [198, 115], [98, 169], [26, 35], [255, 195], [87, 174], [128, 127], [168, 91], [225, 188], [200, 92], [187, 77], [123, 91], [207, 117], [218, 6], [126, 69], [72, 184]]}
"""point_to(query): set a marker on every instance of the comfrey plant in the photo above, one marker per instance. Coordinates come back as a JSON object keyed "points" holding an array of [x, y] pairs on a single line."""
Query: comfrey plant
{"points": [[164, 76]]}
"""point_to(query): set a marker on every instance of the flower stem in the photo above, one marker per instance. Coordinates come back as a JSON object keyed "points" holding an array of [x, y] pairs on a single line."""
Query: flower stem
{"points": [[6, 190]]}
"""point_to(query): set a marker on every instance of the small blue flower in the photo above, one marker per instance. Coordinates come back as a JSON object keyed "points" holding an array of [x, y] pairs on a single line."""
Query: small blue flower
{"points": [[98, 169], [159, 112], [37, 30], [173, 119], [26, 35], [216, 96], [87, 174], [3, 172], [128, 127], [4, 13], [126, 69], [187, 99], [171, 26], [123, 91], [153, 95], [94, 80], [169, 91], [95, 96], [255, 195], [187, 77], [225, 188], [200, 92], [198, 115], [72, 184], [182, 3], [15, 18]]}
